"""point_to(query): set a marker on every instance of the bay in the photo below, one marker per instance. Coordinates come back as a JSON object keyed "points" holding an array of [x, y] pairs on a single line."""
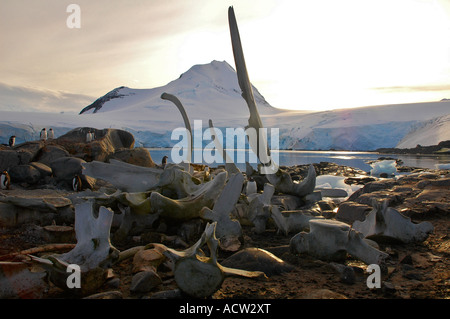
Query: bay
{"points": [[289, 158]]}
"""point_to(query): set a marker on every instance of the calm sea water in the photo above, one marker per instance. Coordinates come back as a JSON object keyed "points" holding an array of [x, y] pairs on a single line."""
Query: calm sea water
{"points": [[289, 158]]}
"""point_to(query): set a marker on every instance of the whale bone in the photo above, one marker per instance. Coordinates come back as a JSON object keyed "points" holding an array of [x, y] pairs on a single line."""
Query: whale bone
{"points": [[228, 230], [189, 207], [200, 276], [93, 253], [332, 240], [386, 223]]}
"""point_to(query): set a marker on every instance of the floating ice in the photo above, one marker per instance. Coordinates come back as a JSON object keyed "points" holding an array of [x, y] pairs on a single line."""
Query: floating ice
{"points": [[387, 166], [324, 182]]}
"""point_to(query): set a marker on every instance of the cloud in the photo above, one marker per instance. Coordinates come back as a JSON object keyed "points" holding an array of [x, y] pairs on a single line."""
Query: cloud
{"points": [[25, 99], [414, 88]]}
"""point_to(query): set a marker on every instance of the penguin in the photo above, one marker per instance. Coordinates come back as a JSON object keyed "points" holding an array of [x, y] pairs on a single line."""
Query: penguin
{"points": [[51, 134], [44, 134], [164, 161], [76, 183], [12, 141], [5, 180], [206, 174], [88, 137], [251, 187]]}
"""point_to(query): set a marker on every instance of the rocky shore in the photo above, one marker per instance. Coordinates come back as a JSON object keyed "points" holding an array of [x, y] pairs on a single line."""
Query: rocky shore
{"points": [[37, 219], [442, 148]]}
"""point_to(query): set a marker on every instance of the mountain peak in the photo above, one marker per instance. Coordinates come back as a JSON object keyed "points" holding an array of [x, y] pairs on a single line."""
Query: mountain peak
{"points": [[202, 83]]}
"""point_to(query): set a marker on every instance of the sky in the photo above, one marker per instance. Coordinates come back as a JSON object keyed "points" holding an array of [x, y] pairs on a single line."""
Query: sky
{"points": [[300, 54]]}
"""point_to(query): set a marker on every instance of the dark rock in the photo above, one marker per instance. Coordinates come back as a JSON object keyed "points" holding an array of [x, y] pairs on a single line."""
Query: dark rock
{"points": [[145, 281], [43, 169], [137, 156], [64, 169], [24, 174], [8, 159], [256, 259], [105, 143], [348, 212], [49, 153], [407, 260]]}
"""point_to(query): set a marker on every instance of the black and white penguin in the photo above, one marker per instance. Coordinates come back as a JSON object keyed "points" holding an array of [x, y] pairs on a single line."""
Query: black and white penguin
{"points": [[51, 134], [12, 141], [88, 137], [164, 161], [76, 183], [5, 180], [44, 134], [251, 187]]}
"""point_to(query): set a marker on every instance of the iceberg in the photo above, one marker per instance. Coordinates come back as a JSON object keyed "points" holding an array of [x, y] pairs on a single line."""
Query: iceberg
{"points": [[383, 167]]}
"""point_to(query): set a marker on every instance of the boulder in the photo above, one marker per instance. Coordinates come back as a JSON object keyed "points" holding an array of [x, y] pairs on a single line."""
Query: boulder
{"points": [[105, 143], [348, 212], [139, 156], [43, 169], [49, 153], [24, 174], [145, 281], [256, 259], [8, 159], [64, 169]]}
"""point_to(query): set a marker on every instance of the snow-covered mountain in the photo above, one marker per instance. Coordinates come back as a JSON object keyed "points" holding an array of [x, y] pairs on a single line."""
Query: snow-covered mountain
{"points": [[211, 91], [208, 91]]}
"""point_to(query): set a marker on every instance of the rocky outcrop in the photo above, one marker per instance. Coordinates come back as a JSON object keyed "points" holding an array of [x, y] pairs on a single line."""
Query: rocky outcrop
{"points": [[104, 143], [56, 162], [414, 195]]}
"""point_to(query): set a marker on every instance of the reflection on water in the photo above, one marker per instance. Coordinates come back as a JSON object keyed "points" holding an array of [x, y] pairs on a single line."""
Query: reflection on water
{"points": [[290, 158]]}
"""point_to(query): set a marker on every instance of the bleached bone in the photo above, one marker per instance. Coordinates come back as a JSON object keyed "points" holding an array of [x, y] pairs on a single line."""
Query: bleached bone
{"points": [[259, 208], [385, 222], [230, 166], [292, 221], [188, 207], [284, 184], [187, 124], [228, 230], [178, 181], [124, 176], [251, 187], [200, 276], [93, 252], [260, 146], [332, 240]]}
